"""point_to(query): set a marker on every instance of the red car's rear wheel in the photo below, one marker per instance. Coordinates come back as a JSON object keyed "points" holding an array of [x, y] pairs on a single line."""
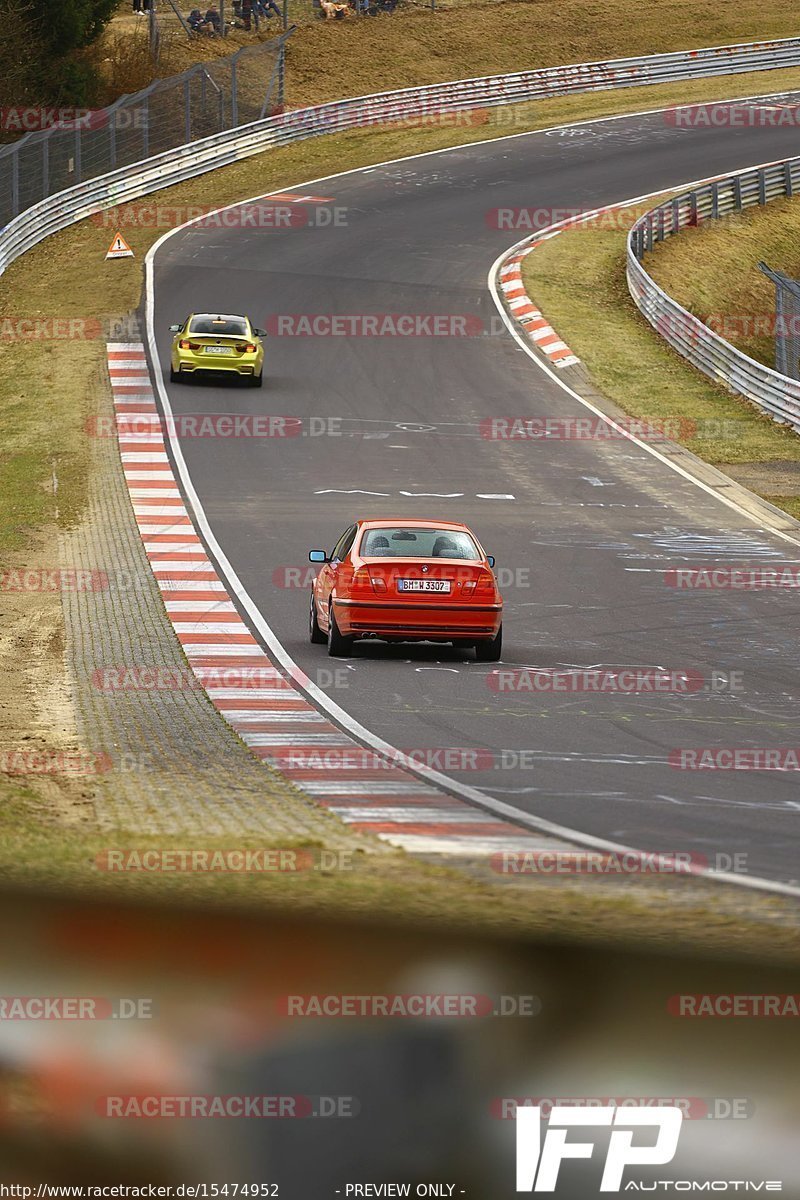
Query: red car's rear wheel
{"points": [[338, 645], [315, 633], [490, 651]]}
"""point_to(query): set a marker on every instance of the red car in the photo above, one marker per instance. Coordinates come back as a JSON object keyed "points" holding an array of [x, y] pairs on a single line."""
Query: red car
{"points": [[401, 581]]}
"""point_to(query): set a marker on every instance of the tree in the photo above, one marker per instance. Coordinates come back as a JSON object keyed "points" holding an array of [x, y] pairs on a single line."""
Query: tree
{"points": [[21, 53], [42, 57]]}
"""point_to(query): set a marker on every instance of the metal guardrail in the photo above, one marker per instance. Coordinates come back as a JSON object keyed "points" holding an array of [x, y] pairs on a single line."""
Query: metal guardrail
{"points": [[777, 394], [140, 175]]}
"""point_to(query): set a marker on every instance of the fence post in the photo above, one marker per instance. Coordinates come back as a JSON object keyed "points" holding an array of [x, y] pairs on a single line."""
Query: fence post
{"points": [[152, 25], [234, 96], [281, 75], [77, 155], [187, 103], [15, 183], [780, 342], [146, 127], [45, 168], [112, 143]]}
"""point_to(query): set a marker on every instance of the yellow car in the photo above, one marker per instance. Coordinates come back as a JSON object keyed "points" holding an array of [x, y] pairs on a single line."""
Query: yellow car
{"points": [[212, 342]]}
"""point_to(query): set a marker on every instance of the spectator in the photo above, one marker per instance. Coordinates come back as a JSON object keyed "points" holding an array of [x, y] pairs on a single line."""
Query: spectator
{"points": [[246, 12], [196, 22], [213, 21], [265, 8]]}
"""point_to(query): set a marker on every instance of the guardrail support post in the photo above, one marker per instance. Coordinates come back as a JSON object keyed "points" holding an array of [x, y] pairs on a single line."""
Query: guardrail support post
{"points": [[737, 193], [762, 187], [715, 200], [787, 179]]}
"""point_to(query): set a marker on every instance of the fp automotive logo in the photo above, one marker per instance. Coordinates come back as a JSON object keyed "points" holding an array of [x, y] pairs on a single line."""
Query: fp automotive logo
{"points": [[538, 1164]]}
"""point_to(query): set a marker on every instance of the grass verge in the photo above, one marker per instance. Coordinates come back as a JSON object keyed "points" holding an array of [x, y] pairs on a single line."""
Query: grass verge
{"points": [[396, 888]]}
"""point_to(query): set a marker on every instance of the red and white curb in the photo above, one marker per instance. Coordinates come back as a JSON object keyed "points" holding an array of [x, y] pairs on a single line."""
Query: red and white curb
{"points": [[522, 308], [364, 788]]}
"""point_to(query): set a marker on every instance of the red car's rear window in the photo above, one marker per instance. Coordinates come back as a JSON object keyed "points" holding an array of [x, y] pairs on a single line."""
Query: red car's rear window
{"points": [[396, 541]]}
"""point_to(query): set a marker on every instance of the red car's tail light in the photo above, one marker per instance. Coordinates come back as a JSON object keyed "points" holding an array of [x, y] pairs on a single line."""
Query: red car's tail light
{"points": [[378, 583], [482, 585], [360, 585]]}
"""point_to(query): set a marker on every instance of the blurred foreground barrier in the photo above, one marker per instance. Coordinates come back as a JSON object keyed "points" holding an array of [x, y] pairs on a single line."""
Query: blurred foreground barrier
{"points": [[170, 1043]]}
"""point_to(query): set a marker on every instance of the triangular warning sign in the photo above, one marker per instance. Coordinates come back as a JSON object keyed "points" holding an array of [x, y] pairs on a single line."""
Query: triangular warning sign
{"points": [[119, 248]]}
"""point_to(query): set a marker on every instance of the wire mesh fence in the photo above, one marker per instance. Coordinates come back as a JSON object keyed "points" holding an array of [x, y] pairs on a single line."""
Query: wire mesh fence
{"points": [[207, 99], [773, 389], [787, 321]]}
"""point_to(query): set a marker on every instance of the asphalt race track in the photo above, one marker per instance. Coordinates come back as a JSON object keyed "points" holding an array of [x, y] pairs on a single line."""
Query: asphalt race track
{"points": [[582, 530]]}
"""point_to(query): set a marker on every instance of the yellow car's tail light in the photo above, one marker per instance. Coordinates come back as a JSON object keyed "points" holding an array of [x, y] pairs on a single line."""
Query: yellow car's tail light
{"points": [[184, 344], [245, 348]]}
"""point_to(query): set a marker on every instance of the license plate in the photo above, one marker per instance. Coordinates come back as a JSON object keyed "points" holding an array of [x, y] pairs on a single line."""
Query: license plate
{"points": [[218, 350], [423, 585]]}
